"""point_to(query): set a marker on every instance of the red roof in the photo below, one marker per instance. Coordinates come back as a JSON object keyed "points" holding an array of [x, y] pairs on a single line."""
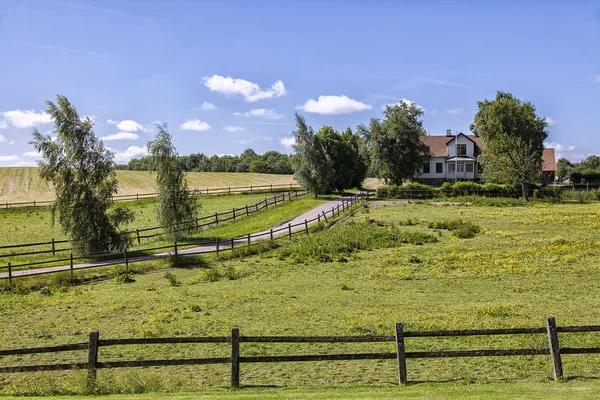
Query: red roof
{"points": [[438, 147]]}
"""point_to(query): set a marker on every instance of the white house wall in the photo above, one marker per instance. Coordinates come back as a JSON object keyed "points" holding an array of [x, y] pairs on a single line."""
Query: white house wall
{"points": [[461, 140], [433, 174]]}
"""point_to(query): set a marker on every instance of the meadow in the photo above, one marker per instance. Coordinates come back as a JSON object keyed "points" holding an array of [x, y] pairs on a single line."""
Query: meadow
{"points": [[522, 264]]}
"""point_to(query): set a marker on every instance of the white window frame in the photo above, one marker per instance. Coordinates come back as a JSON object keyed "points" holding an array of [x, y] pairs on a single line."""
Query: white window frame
{"points": [[467, 168], [460, 167]]}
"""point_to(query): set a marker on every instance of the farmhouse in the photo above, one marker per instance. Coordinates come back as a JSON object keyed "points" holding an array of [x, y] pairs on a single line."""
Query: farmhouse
{"points": [[455, 157]]}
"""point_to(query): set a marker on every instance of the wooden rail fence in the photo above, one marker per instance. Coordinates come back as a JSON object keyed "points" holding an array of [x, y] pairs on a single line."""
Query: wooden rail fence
{"points": [[146, 233], [194, 192], [177, 249], [237, 358]]}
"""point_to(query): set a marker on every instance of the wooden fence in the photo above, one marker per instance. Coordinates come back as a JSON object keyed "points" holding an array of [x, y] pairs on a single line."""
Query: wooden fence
{"points": [[147, 233], [237, 358], [194, 192], [177, 249]]}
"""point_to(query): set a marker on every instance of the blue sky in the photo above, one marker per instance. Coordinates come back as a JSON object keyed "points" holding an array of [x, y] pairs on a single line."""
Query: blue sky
{"points": [[229, 75]]}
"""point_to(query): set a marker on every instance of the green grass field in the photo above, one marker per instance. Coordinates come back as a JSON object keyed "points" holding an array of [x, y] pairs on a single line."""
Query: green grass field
{"points": [[527, 263], [19, 184]]}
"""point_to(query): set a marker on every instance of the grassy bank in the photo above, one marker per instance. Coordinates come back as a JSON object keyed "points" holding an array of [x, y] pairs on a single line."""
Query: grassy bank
{"points": [[521, 265]]}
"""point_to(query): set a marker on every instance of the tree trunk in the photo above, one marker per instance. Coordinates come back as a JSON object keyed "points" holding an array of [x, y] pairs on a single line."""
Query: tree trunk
{"points": [[524, 190]]}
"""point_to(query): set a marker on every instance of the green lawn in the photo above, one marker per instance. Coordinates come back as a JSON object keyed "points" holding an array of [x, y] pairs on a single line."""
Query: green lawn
{"points": [[527, 263], [581, 389]]}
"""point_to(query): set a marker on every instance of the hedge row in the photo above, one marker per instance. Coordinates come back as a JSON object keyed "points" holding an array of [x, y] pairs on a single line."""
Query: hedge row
{"points": [[420, 191]]}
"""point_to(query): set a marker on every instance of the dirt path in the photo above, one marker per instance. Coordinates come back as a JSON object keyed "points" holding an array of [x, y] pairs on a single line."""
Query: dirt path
{"points": [[223, 245]]}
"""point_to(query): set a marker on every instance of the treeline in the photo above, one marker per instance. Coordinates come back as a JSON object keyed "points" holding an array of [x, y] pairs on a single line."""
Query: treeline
{"points": [[587, 170], [271, 162]]}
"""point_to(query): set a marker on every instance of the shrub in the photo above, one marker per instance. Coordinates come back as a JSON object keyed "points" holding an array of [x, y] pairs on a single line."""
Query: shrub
{"points": [[230, 273], [212, 274], [551, 193], [465, 188], [124, 277], [173, 281], [45, 291], [459, 228], [194, 308]]}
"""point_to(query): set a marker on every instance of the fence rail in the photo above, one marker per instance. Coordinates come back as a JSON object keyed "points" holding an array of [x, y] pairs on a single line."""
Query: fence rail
{"points": [[194, 225], [399, 338], [194, 192], [216, 245]]}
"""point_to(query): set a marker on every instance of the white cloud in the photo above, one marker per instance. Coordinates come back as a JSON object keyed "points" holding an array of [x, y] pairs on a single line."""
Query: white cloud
{"points": [[131, 152], [331, 105], [551, 122], [559, 147], [195, 125], [249, 91], [121, 136], [26, 118], [260, 113], [31, 154], [224, 154], [2, 139], [404, 101], [9, 158], [206, 106], [234, 129], [3, 125], [265, 138], [454, 111], [12, 142], [287, 142], [112, 121], [243, 141], [130, 126]]}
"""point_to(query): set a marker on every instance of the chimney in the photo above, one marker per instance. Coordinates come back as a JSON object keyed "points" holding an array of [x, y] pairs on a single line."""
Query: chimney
{"points": [[448, 132]]}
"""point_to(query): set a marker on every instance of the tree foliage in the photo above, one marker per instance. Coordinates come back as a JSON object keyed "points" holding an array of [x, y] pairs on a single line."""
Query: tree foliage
{"points": [[82, 172], [175, 203], [395, 146], [514, 140], [312, 168]]}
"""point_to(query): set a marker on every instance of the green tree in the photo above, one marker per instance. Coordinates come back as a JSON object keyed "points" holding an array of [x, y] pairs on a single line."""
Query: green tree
{"points": [[82, 172], [395, 144], [312, 169], [175, 205], [514, 140], [563, 168]]}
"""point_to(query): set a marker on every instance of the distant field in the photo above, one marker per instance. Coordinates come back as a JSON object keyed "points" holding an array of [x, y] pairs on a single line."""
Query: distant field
{"points": [[24, 184], [21, 184]]}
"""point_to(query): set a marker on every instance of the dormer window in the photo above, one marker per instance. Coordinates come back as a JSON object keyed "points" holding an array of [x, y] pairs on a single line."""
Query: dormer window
{"points": [[461, 149]]}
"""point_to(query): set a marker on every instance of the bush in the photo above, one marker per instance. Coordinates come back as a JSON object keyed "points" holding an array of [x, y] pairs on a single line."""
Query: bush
{"points": [[212, 274], [551, 193], [465, 188]]}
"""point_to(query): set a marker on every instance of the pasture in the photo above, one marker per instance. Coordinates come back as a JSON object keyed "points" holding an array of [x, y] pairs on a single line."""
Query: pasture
{"points": [[524, 264]]}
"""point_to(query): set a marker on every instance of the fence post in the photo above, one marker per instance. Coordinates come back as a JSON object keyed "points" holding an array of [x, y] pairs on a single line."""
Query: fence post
{"points": [[306, 226], [290, 229], [235, 358], [126, 260], [248, 239], [175, 247], [137, 234], [232, 243], [9, 275], [325, 216], [319, 217], [53, 248], [271, 187], [137, 197], [217, 218], [71, 264], [229, 190], [275, 199], [401, 354], [34, 204], [246, 210], [266, 204], [554, 348], [233, 211], [250, 188], [217, 246], [92, 359], [271, 233]]}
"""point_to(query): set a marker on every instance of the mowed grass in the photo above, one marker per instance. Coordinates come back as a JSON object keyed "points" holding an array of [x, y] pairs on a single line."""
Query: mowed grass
{"points": [[23, 184], [582, 389], [527, 263]]}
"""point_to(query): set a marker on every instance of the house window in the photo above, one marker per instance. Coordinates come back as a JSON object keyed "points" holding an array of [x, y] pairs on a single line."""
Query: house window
{"points": [[469, 167], [461, 149], [461, 166], [439, 168], [426, 168], [451, 167]]}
